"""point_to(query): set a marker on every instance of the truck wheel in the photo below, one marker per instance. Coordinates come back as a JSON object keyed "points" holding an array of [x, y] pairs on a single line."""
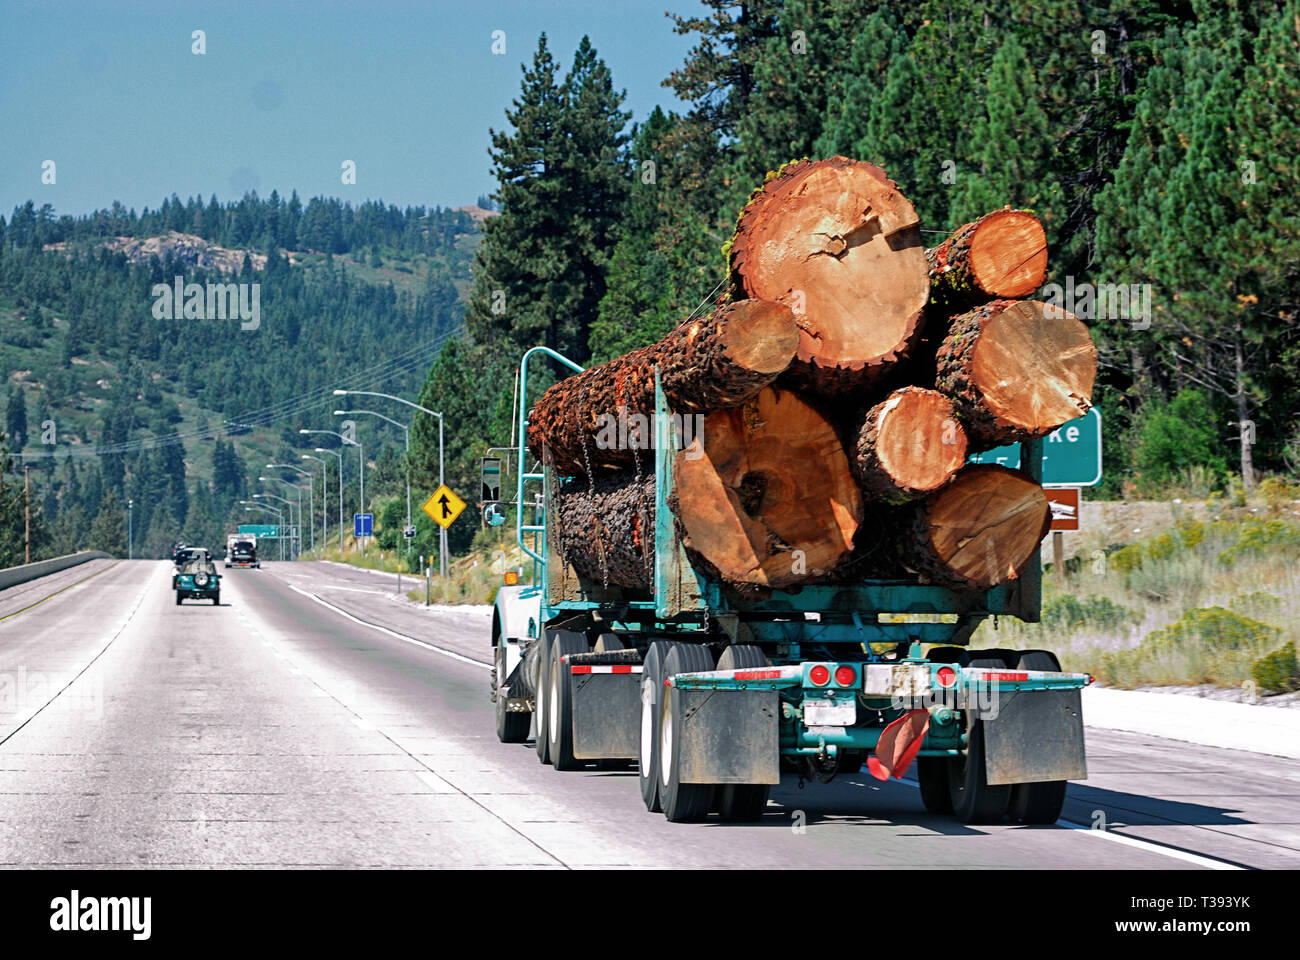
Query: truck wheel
{"points": [[994, 658], [559, 701], [542, 649], [1038, 660], [974, 799], [742, 802], [652, 692], [682, 802], [216, 599], [1039, 802], [932, 774], [512, 726]]}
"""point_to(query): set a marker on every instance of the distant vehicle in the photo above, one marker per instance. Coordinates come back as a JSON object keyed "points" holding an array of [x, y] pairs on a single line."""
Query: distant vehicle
{"points": [[197, 579], [177, 547], [183, 554], [242, 552]]}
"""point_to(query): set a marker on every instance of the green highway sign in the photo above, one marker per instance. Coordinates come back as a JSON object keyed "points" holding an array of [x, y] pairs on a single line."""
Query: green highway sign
{"points": [[260, 529], [1071, 453]]}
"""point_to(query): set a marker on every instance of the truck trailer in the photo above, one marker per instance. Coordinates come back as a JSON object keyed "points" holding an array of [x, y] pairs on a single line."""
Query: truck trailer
{"points": [[714, 695]]}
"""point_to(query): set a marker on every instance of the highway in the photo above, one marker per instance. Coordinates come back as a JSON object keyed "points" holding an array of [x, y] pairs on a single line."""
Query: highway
{"points": [[311, 720]]}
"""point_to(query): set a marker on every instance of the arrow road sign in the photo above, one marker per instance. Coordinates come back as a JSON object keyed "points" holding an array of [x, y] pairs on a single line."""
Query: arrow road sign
{"points": [[444, 506]]}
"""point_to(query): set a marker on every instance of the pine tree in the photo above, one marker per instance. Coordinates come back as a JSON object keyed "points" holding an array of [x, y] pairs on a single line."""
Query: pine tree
{"points": [[1012, 147], [16, 416], [108, 531]]}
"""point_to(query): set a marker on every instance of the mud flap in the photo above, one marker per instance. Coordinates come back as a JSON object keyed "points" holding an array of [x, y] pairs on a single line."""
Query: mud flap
{"points": [[1035, 735], [606, 715], [727, 736]]}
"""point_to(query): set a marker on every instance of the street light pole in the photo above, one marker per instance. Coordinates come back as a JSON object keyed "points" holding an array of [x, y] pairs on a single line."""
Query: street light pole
{"points": [[289, 505], [324, 494], [248, 506], [296, 543], [405, 430], [442, 531], [311, 496], [333, 433], [130, 530]]}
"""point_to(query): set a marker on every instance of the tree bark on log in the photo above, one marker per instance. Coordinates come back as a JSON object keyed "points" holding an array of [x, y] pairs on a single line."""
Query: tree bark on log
{"points": [[908, 446], [1016, 370], [767, 499], [1002, 255], [591, 420], [606, 528], [837, 242], [978, 532]]}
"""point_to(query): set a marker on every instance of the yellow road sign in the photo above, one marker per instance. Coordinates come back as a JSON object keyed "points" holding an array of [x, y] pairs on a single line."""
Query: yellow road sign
{"points": [[444, 506]]}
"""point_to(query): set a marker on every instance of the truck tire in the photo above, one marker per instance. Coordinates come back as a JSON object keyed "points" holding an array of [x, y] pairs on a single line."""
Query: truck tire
{"points": [[1039, 802], [178, 598], [682, 802], [652, 692], [932, 775], [974, 799], [742, 802], [216, 599], [948, 655], [542, 650], [512, 727], [559, 700]]}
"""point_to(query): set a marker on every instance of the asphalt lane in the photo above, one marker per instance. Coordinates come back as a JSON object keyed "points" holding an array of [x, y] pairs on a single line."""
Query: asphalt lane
{"points": [[279, 729]]}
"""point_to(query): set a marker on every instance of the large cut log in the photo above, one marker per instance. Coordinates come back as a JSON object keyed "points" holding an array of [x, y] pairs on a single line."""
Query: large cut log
{"points": [[979, 531], [767, 499], [909, 445], [1016, 370], [836, 241], [605, 528], [600, 418], [1002, 255], [764, 498]]}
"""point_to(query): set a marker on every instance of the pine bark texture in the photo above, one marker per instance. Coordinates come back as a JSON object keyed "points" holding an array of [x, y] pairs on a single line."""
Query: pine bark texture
{"points": [[605, 528], [709, 363], [837, 242]]}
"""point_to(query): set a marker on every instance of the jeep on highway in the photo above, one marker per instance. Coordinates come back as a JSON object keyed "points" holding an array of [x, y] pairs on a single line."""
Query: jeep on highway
{"points": [[197, 579]]}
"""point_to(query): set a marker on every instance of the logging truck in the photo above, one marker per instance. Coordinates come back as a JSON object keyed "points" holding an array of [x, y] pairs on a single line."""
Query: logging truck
{"points": [[714, 694], [794, 586]]}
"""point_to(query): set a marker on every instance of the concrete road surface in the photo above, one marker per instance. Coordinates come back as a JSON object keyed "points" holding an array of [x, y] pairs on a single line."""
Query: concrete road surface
{"points": [[312, 720]]}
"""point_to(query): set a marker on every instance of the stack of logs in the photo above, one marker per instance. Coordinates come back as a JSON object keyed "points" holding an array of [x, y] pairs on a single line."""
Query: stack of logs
{"points": [[841, 386]]}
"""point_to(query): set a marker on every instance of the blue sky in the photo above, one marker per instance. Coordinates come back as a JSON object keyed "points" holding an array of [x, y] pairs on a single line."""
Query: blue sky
{"points": [[288, 91]]}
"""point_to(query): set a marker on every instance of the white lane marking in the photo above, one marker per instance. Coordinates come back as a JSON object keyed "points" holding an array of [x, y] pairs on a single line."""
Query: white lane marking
{"points": [[392, 633], [1208, 863], [363, 723]]}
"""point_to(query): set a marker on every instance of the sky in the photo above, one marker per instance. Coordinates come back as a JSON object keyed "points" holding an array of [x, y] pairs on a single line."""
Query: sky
{"points": [[285, 93]]}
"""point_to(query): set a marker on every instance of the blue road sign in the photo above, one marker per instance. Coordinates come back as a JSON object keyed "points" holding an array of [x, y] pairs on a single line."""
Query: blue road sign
{"points": [[363, 524], [1071, 453]]}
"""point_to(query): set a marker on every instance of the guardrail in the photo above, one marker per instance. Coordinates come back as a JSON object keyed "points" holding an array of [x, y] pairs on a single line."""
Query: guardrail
{"points": [[41, 568]]}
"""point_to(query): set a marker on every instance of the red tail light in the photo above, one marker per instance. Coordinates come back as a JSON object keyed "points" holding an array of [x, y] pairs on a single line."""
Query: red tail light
{"points": [[844, 675], [946, 676], [819, 675]]}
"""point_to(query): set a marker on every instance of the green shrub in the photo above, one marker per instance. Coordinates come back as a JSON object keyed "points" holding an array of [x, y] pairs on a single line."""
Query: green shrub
{"points": [[1175, 436], [1068, 610], [1215, 627], [1257, 604], [1258, 537], [1278, 672]]}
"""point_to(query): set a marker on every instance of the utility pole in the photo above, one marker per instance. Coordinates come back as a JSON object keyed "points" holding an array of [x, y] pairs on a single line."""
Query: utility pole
{"points": [[130, 529], [27, 514]]}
